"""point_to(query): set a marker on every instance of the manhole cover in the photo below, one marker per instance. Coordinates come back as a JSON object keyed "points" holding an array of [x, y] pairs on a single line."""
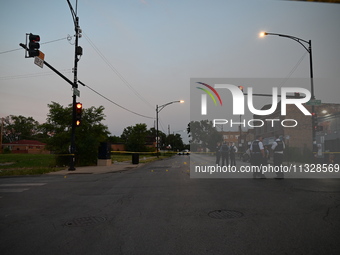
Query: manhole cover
{"points": [[85, 221], [225, 214]]}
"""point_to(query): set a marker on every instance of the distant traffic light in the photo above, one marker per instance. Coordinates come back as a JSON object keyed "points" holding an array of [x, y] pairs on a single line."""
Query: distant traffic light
{"points": [[33, 45], [314, 121], [241, 88], [79, 108]]}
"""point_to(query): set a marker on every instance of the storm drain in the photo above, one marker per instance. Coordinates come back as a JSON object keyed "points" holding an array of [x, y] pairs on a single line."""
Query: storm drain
{"points": [[225, 214], [85, 221]]}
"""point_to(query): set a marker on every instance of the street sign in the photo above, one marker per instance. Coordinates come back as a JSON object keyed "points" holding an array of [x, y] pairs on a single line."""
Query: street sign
{"points": [[314, 102], [76, 92], [39, 60]]}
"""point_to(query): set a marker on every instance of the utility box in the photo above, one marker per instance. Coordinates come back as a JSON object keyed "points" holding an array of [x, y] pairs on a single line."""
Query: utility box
{"points": [[135, 158], [104, 151], [104, 154]]}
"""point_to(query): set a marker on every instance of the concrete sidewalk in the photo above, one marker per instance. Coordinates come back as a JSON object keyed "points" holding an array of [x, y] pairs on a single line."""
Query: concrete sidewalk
{"points": [[115, 167]]}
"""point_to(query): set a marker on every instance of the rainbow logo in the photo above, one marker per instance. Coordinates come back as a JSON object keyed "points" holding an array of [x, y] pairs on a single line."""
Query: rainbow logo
{"points": [[209, 93]]}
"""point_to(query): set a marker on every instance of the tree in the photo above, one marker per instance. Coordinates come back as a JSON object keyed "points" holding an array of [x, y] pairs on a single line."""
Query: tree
{"points": [[162, 137], [135, 137], [20, 128], [88, 136], [203, 134], [175, 141], [115, 139]]}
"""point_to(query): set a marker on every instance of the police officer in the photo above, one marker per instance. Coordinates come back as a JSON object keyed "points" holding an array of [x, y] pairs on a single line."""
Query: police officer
{"points": [[218, 153], [225, 154], [257, 156], [232, 153], [278, 146]]}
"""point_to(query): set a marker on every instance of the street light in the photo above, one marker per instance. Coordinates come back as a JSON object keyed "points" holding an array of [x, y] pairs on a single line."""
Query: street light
{"points": [[158, 109], [304, 44]]}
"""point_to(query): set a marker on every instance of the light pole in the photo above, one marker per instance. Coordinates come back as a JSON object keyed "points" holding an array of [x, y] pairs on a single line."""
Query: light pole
{"points": [[158, 109], [304, 44], [78, 52]]}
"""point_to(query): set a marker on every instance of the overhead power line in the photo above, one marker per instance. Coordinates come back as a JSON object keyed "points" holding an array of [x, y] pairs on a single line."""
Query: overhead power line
{"points": [[113, 101], [32, 75], [293, 70], [116, 71], [3, 52]]}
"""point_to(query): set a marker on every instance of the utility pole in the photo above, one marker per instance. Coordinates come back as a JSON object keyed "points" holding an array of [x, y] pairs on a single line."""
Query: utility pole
{"points": [[78, 52], [1, 132], [33, 51]]}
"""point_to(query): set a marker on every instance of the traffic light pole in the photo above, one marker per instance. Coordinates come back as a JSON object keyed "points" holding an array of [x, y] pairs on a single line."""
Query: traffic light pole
{"points": [[74, 101], [72, 149], [34, 52], [77, 52]]}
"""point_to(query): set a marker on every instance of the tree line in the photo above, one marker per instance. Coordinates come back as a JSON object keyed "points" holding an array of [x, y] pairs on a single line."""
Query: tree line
{"points": [[56, 133]]}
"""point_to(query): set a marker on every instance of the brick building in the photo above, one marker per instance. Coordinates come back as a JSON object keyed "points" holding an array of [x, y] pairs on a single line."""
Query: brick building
{"points": [[26, 147], [242, 142], [231, 136], [295, 128]]}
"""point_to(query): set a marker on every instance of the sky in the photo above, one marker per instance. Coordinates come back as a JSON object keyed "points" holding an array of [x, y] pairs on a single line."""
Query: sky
{"points": [[142, 53]]}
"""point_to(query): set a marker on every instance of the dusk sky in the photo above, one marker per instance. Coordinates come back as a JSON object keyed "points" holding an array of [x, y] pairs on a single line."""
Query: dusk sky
{"points": [[140, 53]]}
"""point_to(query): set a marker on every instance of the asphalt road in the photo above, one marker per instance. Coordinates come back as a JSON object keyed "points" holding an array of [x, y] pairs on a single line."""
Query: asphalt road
{"points": [[158, 209]]}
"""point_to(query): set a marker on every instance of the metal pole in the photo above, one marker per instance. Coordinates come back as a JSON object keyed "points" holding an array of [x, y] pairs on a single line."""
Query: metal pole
{"points": [[1, 132], [157, 145], [74, 101], [309, 50], [158, 109], [312, 87]]}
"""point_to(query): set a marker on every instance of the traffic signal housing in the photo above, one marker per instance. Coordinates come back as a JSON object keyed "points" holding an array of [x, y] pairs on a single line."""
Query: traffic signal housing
{"points": [[33, 45], [79, 109], [315, 121]]}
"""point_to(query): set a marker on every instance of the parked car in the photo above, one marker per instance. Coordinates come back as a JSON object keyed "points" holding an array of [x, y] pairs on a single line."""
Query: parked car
{"points": [[184, 152]]}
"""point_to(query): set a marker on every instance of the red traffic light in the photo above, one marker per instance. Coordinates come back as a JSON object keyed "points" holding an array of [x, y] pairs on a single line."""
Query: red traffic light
{"points": [[33, 46], [79, 108], [79, 105], [34, 38]]}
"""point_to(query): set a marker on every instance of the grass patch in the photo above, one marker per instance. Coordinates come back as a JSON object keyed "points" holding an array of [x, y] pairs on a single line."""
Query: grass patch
{"points": [[37, 164], [143, 157], [27, 164]]}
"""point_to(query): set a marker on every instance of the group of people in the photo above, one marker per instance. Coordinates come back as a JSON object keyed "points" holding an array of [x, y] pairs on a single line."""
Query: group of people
{"points": [[225, 152], [259, 155]]}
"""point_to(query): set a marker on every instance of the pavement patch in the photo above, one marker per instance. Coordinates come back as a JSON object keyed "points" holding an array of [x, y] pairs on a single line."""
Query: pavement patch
{"points": [[225, 214], [85, 221]]}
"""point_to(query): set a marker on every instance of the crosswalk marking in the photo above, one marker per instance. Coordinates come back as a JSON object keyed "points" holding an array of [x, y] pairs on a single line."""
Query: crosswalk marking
{"points": [[21, 184], [12, 190], [18, 187]]}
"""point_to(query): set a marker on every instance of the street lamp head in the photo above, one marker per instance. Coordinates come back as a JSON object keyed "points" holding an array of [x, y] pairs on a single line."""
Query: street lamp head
{"points": [[263, 34], [181, 101]]}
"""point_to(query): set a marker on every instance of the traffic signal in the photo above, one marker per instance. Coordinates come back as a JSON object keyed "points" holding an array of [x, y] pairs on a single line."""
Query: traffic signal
{"points": [[315, 121], [33, 45], [79, 108], [241, 88]]}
